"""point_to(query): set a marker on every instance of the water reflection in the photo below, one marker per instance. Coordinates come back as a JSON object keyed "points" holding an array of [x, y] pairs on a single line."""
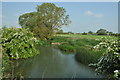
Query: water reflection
{"points": [[51, 63]]}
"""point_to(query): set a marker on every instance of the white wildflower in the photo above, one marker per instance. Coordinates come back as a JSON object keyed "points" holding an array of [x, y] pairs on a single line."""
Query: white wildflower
{"points": [[116, 71], [116, 53]]}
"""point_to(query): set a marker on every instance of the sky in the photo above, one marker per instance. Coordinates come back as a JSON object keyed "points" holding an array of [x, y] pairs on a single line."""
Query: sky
{"points": [[84, 16]]}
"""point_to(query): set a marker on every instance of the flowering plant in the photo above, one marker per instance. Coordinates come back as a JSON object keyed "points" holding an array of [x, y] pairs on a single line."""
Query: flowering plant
{"points": [[18, 43], [110, 61]]}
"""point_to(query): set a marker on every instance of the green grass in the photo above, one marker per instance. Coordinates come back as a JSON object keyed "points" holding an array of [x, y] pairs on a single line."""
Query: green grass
{"points": [[82, 45], [78, 36], [88, 56], [70, 42], [67, 48], [70, 45], [59, 39]]}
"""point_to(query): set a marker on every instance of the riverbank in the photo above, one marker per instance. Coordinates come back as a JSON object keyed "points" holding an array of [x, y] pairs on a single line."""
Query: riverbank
{"points": [[82, 45]]}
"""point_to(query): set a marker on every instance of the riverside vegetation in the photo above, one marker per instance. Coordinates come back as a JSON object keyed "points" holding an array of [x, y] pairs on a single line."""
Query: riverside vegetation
{"points": [[85, 49], [100, 52], [40, 27], [17, 43]]}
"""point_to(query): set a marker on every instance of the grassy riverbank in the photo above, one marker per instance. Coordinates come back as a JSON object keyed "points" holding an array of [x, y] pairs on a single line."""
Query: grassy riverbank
{"points": [[82, 45], [71, 42]]}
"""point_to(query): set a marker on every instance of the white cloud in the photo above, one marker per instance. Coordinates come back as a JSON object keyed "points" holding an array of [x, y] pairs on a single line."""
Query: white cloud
{"points": [[90, 13]]}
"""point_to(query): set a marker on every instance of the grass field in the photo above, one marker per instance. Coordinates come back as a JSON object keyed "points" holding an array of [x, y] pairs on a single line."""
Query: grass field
{"points": [[78, 36], [82, 45]]}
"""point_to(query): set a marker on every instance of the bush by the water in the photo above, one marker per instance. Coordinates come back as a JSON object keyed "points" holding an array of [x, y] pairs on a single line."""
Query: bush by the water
{"points": [[110, 61], [17, 43]]}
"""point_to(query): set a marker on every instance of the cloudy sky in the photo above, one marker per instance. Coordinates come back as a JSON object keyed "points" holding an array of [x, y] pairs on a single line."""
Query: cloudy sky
{"points": [[85, 16]]}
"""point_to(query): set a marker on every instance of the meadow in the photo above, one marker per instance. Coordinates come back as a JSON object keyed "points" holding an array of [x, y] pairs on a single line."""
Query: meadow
{"points": [[79, 36], [81, 45]]}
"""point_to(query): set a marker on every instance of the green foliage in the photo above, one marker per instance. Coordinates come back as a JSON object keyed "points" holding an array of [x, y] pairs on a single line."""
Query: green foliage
{"points": [[47, 19], [59, 32], [110, 61], [39, 42], [82, 47], [88, 56], [28, 20], [106, 55], [43, 33], [66, 47], [42, 43], [90, 32], [101, 32], [18, 43], [69, 44], [84, 33], [5, 62]]}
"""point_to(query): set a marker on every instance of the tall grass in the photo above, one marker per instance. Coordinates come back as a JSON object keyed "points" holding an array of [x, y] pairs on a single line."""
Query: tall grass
{"points": [[70, 45], [88, 56], [67, 47], [82, 46]]}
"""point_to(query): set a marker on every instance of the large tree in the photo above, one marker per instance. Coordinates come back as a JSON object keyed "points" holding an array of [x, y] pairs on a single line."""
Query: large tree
{"points": [[45, 20]]}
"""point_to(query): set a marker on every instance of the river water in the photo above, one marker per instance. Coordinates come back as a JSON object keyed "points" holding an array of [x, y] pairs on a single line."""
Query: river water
{"points": [[52, 63]]}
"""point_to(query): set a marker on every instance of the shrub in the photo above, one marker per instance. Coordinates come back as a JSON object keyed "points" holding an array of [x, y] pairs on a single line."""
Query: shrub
{"points": [[18, 43], [110, 61]]}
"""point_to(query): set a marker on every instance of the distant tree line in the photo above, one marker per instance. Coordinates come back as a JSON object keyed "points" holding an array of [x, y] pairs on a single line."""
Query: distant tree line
{"points": [[98, 32]]}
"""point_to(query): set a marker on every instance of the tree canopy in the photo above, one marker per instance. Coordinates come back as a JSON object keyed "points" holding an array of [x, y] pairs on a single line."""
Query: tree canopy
{"points": [[90, 32], [47, 19], [102, 32]]}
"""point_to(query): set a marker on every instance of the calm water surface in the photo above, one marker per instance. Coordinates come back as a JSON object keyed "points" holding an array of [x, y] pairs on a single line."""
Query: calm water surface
{"points": [[51, 63]]}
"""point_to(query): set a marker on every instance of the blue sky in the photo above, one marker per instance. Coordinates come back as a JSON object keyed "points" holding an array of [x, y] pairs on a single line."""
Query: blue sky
{"points": [[85, 16]]}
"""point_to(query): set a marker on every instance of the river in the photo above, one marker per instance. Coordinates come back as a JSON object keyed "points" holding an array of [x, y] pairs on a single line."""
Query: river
{"points": [[52, 63]]}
